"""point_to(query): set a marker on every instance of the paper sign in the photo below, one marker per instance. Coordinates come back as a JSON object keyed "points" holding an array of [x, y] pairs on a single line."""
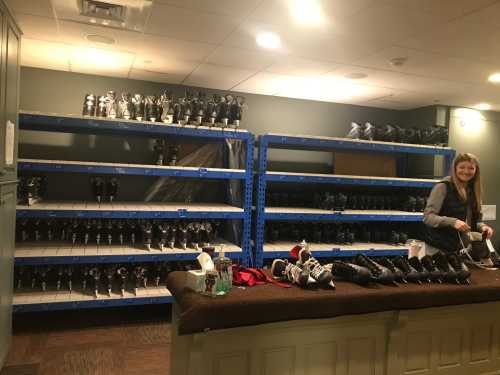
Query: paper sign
{"points": [[10, 130]]}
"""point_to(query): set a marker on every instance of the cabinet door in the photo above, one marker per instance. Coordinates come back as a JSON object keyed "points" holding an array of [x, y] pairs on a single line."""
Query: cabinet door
{"points": [[11, 100], [7, 238], [3, 84]]}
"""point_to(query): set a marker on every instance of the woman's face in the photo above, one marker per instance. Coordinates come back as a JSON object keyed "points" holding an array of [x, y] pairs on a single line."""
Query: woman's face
{"points": [[465, 171]]}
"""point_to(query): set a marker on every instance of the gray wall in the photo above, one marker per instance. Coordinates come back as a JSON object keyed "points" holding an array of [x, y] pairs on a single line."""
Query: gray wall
{"points": [[478, 132], [62, 92]]}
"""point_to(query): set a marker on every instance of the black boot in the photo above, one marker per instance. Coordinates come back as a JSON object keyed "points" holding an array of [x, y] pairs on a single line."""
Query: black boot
{"points": [[411, 274], [434, 273], [461, 269], [417, 264], [399, 276], [380, 274], [450, 275], [350, 272]]}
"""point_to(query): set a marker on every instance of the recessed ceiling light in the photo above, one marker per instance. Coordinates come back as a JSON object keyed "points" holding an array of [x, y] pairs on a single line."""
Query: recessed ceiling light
{"points": [[95, 38], [306, 12], [398, 61], [356, 75], [495, 77], [268, 40], [483, 106]]}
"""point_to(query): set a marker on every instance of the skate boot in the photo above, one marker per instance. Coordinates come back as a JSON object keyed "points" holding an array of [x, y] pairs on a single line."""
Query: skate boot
{"points": [[380, 274], [419, 267], [411, 274], [317, 271], [477, 253], [349, 272], [434, 273], [450, 275], [460, 268], [399, 276], [356, 131], [283, 270]]}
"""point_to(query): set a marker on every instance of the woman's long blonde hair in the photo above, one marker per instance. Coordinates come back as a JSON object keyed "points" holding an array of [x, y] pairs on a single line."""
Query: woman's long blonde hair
{"points": [[474, 183]]}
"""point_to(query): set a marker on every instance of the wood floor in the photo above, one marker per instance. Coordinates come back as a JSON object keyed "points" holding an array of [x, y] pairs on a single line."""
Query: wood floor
{"points": [[92, 343]]}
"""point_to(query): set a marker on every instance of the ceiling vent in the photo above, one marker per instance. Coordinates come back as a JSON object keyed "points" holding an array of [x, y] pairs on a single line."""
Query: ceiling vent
{"points": [[105, 11], [122, 14]]}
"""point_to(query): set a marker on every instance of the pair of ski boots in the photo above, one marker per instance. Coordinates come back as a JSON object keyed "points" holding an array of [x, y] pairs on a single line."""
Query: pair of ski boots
{"points": [[306, 273]]}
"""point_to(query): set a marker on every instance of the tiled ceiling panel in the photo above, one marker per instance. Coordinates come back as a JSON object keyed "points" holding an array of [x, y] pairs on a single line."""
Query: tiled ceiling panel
{"points": [[451, 47], [445, 9], [430, 65], [38, 27], [145, 75], [241, 58], [217, 76], [77, 33], [174, 48], [290, 65], [235, 9], [191, 25], [34, 7], [45, 55], [460, 39]]}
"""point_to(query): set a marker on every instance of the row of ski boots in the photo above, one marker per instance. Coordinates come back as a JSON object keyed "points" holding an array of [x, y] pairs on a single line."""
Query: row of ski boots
{"points": [[165, 153], [363, 270], [93, 279], [31, 189], [162, 234], [344, 234], [340, 201], [432, 135], [104, 189], [437, 268], [202, 109]]}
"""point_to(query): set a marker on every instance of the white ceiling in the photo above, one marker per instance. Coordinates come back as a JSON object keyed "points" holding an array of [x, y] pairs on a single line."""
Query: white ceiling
{"points": [[452, 46]]}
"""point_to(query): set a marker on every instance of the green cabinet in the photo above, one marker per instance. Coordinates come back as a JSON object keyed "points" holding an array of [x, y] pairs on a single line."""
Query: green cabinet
{"points": [[9, 85], [10, 39], [7, 236]]}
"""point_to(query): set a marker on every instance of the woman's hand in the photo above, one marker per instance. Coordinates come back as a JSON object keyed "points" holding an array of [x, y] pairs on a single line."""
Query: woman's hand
{"points": [[488, 230], [461, 226]]}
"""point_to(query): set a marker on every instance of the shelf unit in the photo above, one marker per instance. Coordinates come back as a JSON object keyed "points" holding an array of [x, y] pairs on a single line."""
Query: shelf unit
{"points": [[42, 254], [64, 300], [316, 143]]}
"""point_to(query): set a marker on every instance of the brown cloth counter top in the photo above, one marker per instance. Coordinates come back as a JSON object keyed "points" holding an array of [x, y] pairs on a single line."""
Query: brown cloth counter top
{"points": [[270, 303]]}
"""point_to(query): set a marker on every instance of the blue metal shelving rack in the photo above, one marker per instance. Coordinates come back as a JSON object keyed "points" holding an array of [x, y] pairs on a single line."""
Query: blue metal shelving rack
{"points": [[93, 125], [315, 143]]}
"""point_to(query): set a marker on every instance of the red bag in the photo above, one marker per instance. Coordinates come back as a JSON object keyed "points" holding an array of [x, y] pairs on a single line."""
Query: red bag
{"points": [[253, 276]]}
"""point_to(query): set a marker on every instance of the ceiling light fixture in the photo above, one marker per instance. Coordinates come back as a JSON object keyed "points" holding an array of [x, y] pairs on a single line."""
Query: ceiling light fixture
{"points": [[495, 77], [306, 12], [95, 38], [483, 106], [269, 40]]}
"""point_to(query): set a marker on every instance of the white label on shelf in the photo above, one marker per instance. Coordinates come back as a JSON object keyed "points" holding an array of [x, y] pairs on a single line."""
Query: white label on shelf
{"points": [[489, 211], [10, 129]]}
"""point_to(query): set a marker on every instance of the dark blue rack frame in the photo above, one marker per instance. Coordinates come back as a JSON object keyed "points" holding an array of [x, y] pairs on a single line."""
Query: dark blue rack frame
{"points": [[43, 166], [97, 214], [94, 125], [98, 303], [94, 259], [335, 253], [313, 143]]}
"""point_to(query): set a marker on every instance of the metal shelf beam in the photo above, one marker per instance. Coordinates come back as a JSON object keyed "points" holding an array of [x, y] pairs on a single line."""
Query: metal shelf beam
{"points": [[62, 166]]}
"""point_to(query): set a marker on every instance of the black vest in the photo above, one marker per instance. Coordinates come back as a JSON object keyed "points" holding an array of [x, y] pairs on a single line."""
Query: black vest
{"points": [[446, 238]]}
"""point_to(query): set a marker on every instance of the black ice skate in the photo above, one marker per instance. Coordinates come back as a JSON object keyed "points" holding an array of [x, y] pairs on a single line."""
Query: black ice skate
{"points": [[419, 267], [450, 275], [399, 276], [349, 272], [463, 273], [434, 273], [380, 274], [411, 274]]}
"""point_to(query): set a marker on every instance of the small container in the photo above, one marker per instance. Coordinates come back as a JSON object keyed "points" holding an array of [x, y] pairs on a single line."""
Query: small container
{"points": [[223, 266]]}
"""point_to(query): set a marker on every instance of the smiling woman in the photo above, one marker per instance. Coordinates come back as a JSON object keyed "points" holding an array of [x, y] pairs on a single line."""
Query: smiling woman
{"points": [[454, 206]]}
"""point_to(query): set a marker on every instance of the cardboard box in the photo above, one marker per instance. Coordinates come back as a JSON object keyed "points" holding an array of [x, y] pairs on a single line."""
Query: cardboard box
{"points": [[364, 164]]}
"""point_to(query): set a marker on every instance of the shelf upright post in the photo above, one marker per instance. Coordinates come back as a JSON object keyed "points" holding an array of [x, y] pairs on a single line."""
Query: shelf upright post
{"points": [[261, 201], [247, 203]]}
